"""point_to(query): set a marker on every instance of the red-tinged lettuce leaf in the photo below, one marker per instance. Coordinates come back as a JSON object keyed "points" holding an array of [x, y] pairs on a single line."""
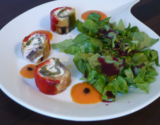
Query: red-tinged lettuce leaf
{"points": [[108, 68], [111, 89]]}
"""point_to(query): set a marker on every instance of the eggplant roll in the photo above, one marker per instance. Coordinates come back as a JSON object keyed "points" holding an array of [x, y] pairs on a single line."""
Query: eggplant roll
{"points": [[63, 19], [52, 77], [36, 47]]}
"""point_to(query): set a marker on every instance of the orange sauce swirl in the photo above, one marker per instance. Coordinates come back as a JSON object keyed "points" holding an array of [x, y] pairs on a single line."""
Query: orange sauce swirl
{"points": [[28, 71], [80, 96], [86, 14]]}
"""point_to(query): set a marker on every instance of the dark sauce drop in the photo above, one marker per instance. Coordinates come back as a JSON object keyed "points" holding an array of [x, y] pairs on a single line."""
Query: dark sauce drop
{"points": [[85, 74], [41, 59], [63, 30], [29, 68], [122, 53], [86, 90], [110, 94], [115, 59], [108, 69], [117, 46]]}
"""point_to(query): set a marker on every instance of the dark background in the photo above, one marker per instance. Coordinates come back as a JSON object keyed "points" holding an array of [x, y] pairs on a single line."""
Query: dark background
{"points": [[11, 113]]}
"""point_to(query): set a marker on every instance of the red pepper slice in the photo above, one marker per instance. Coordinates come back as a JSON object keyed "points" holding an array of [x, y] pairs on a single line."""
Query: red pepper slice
{"points": [[45, 85], [53, 18]]}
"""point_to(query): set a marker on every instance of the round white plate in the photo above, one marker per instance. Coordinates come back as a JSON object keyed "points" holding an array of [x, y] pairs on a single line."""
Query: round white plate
{"points": [[25, 92]]}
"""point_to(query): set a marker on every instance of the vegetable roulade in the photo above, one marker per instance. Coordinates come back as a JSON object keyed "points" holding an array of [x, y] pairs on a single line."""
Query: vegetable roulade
{"points": [[52, 77], [36, 47], [63, 19]]}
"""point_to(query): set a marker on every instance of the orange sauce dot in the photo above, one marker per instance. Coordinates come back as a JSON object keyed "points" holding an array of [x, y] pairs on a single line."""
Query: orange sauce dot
{"points": [[79, 96], [86, 14], [28, 71], [45, 32]]}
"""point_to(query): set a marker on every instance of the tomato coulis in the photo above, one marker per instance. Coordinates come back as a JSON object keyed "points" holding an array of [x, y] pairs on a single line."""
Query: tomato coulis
{"points": [[28, 71], [86, 14], [84, 93]]}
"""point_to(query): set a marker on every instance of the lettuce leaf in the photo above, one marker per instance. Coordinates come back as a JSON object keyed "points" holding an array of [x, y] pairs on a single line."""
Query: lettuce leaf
{"points": [[94, 17], [144, 40], [118, 85], [62, 45]]}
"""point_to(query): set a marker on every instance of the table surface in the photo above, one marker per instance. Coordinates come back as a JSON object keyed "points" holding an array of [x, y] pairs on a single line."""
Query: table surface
{"points": [[11, 113]]}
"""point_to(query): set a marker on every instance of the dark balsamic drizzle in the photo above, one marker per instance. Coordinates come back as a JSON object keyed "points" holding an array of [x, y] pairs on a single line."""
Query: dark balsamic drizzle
{"points": [[41, 59], [86, 90], [29, 68]]}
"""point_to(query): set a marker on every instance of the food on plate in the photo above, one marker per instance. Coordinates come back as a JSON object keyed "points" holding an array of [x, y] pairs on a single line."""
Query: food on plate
{"points": [[112, 57], [28, 71], [63, 19], [101, 15], [36, 47], [44, 32], [52, 77], [84, 93]]}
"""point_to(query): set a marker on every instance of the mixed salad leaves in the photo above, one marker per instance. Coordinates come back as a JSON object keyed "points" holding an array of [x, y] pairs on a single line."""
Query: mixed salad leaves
{"points": [[112, 57]]}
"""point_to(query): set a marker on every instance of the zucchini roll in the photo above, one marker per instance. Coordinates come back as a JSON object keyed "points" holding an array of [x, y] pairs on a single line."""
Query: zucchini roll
{"points": [[63, 19], [36, 47], [52, 77]]}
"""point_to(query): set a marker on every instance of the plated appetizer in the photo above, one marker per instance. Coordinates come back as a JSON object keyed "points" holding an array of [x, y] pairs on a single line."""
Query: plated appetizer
{"points": [[36, 47], [111, 57], [52, 77], [63, 19]]}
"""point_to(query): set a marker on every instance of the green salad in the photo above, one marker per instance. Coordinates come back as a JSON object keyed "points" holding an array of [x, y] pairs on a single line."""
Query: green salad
{"points": [[112, 57]]}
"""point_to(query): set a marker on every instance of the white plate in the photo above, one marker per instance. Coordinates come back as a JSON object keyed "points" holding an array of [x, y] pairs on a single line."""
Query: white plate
{"points": [[61, 106]]}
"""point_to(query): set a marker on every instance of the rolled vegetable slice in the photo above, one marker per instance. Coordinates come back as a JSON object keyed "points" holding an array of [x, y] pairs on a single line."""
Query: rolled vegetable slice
{"points": [[63, 19], [36, 47], [52, 77]]}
